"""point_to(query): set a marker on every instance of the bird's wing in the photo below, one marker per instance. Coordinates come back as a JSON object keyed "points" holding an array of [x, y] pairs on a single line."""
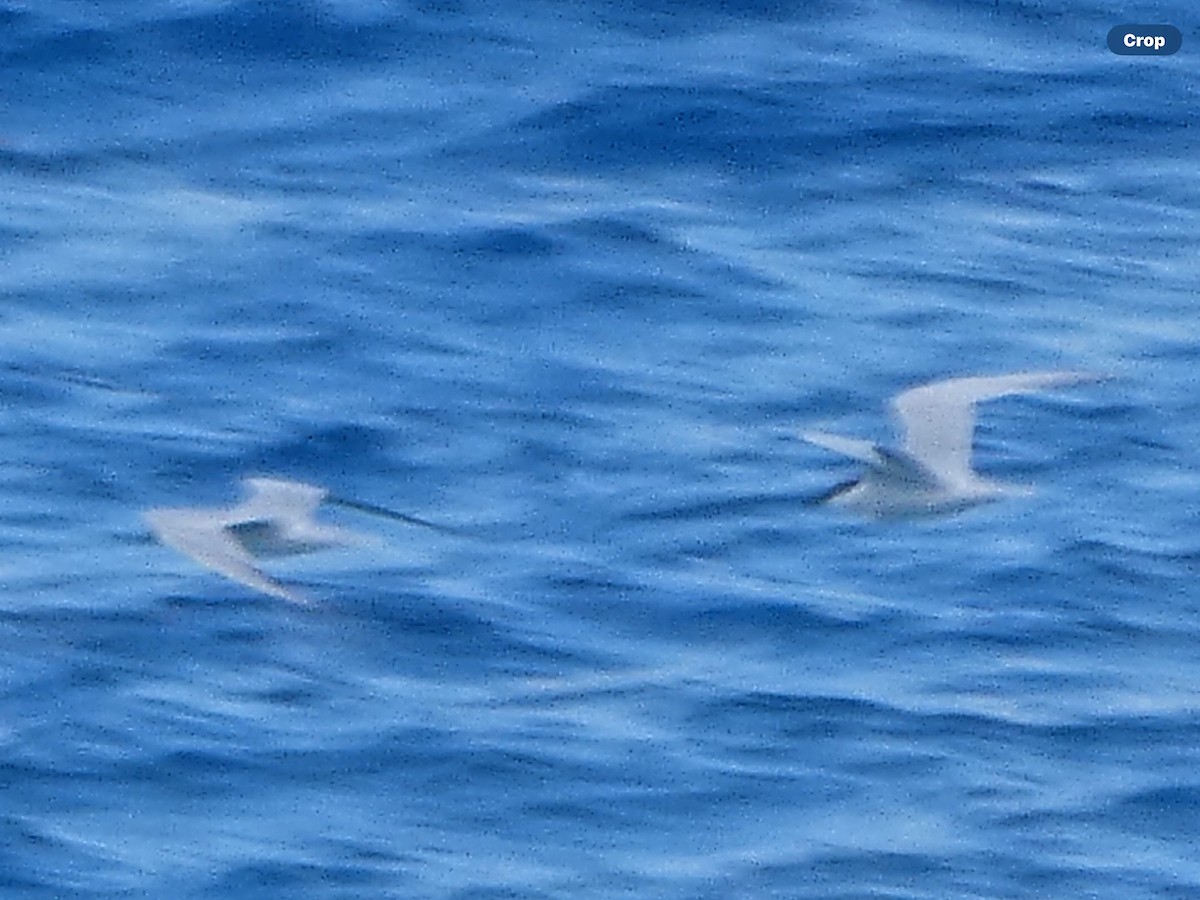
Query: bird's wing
{"points": [[201, 535], [938, 420], [273, 498], [861, 450]]}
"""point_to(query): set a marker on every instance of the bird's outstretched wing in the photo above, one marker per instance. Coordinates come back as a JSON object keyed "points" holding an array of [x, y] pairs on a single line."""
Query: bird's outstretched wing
{"points": [[201, 535], [938, 420], [274, 498]]}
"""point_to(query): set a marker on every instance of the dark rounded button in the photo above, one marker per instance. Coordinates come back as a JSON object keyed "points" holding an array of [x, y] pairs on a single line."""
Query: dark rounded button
{"points": [[1145, 40]]}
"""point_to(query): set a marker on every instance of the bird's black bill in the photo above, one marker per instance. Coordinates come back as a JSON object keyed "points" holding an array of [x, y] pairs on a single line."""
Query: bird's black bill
{"points": [[384, 512]]}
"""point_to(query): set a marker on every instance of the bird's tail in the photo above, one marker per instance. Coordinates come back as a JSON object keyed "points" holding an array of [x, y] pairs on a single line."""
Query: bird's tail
{"points": [[383, 512]]}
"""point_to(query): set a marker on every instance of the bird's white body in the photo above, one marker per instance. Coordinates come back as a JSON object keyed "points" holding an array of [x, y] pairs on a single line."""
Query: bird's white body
{"points": [[931, 473], [277, 519]]}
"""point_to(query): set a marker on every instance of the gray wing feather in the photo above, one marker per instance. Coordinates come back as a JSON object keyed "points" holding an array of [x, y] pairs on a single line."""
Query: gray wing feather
{"points": [[938, 420], [203, 538], [273, 498]]}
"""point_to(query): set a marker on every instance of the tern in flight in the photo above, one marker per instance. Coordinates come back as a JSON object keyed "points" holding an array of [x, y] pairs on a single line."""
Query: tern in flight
{"points": [[931, 474], [278, 518]]}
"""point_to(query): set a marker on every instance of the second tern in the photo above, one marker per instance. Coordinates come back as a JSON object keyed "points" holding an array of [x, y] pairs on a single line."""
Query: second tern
{"points": [[930, 473]]}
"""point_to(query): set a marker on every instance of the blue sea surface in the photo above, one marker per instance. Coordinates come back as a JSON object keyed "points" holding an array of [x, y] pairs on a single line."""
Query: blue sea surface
{"points": [[569, 279]]}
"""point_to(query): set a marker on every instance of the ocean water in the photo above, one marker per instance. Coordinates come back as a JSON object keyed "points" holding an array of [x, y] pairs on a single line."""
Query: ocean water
{"points": [[569, 279]]}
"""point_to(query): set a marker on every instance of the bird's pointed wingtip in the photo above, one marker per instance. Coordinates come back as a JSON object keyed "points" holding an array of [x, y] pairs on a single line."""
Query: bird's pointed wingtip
{"points": [[293, 596], [866, 451], [1069, 376]]}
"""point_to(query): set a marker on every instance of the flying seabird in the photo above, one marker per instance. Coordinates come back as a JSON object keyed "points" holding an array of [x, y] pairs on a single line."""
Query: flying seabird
{"points": [[931, 473], [278, 518]]}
